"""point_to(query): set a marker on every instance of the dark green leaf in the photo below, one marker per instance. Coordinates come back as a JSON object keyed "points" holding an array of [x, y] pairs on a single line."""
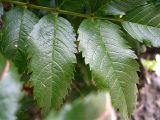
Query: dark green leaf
{"points": [[49, 3], [79, 6], [119, 7], [95, 4], [134, 44], [58, 2], [73, 5], [111, 61], [83, 72], [17, 25], [143, 24], [52, 41]]}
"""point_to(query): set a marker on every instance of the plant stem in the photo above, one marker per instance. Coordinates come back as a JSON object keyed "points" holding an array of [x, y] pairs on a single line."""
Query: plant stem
{"points": [[56, 10]]}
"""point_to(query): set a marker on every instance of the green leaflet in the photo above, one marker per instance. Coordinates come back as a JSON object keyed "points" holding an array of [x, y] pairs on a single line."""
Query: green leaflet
{"points": [[17, 25], [143, 24], [111, 61], [82, 6], [78, 6], [119, 7], [9, 90], [50, 3], [96, 4], [92, 107], [134, 44], [73, 5], [52, 43]]}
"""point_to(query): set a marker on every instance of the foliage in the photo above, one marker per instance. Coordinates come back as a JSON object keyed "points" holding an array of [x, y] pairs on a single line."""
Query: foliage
{"points": [[110, 61], [17, 24], [144, 28], [65, 49], [52, 59]]}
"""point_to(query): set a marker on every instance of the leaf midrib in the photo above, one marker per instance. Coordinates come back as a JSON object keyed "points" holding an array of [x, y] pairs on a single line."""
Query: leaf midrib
{"points": [[110, 60], [19, 36], [55, 24], [20, 29]]}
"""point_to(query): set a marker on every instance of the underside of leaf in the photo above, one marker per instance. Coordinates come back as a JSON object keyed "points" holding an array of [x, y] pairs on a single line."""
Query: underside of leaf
{"points": [[119, 7], [143, 24], [112, 63]]}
